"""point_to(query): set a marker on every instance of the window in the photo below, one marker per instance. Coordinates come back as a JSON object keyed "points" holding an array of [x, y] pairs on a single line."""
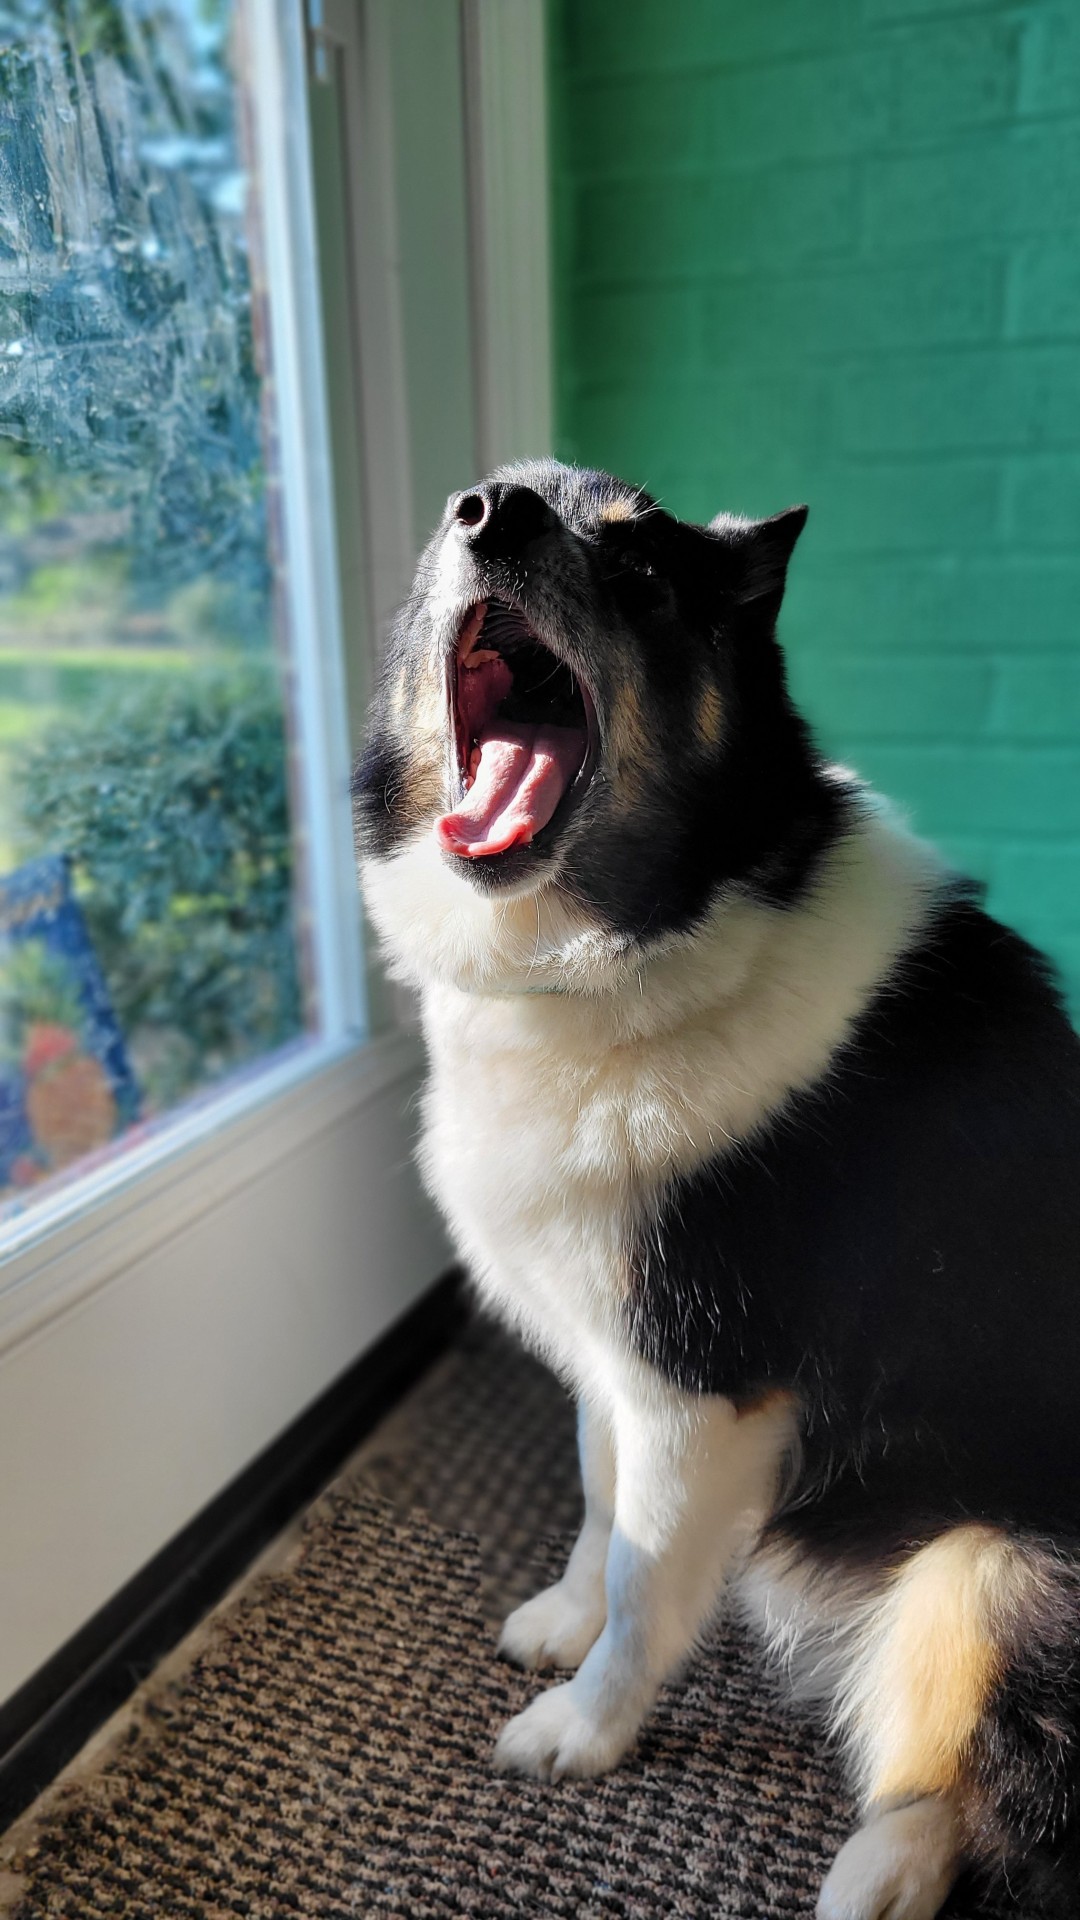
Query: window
{"points": [[156, 846]]}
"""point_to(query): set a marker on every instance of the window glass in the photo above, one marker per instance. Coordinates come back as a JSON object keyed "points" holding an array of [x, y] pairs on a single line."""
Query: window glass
{"points": [[148, 904]]}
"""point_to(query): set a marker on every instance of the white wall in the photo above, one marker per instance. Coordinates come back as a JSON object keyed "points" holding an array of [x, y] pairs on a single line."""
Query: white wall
{"points": [[127, 1411]]}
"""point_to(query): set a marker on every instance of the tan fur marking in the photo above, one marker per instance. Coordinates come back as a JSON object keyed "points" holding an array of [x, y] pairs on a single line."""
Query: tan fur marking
{"points": [[428, 717], [935, 1661], [710, 716], [423, 796], [621, 509], [629, 734], [420, 714], [399, 698], [772, 1399]]}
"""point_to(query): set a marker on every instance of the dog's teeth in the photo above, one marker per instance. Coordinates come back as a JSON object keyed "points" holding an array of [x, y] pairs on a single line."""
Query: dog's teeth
{"points": [[471, 630]]}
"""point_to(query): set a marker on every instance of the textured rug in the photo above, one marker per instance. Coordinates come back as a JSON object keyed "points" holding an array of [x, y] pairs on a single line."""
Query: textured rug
{"points": [[327, 1752]]}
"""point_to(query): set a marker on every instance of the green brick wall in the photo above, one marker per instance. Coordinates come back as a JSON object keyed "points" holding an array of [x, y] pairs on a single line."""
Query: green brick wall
{"points": [[829, 250]]}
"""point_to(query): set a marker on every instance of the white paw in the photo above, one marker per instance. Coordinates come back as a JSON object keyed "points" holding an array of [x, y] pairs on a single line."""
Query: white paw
{"points": [[900, 1866], [558, 1737], [553, 1630]]}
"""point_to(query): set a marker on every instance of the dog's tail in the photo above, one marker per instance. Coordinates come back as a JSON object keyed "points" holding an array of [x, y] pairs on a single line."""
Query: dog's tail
{"points": [[963, 1685], [1022, 1777]]}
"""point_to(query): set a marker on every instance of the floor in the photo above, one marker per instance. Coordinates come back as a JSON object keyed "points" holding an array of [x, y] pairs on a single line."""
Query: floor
{"points": [[321, 1746]]}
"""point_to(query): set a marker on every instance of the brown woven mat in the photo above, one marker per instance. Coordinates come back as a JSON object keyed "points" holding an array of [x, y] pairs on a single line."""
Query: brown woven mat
{"points": [[328, 1752]]}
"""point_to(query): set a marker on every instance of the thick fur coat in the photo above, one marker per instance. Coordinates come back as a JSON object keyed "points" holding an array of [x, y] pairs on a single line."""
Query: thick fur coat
{"points": [[767, 1137]]}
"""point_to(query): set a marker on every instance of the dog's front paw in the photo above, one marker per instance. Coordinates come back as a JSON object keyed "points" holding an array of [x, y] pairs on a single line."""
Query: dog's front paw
{"points": [[900, 1866], [558, 1736], [556, 1629]]}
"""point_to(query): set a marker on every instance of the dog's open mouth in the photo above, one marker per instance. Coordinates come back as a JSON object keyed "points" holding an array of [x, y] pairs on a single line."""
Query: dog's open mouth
{"points": [[522, 733]]}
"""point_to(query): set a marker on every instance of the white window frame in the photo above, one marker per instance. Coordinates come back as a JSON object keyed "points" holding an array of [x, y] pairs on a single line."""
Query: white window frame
{"points": [[505, 70]]}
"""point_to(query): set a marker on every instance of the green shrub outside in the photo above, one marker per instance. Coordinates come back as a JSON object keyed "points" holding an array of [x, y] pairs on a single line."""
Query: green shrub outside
{"points": [[170, 799]]}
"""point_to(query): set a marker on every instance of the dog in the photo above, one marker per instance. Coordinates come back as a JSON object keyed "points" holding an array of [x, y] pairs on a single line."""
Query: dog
{"points": [[763, 1133]]}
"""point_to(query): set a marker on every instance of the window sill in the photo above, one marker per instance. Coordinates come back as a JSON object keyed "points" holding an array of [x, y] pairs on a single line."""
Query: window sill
{"points": [[72, 1243]]}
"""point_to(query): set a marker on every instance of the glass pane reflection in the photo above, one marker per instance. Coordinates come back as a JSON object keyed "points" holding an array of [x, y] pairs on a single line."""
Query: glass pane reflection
{"points": [[147, 897]]}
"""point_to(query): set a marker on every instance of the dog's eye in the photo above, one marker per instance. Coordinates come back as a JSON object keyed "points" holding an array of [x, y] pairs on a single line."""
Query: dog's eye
{"points": [[637, 581], [635, 565], [642, 569]]}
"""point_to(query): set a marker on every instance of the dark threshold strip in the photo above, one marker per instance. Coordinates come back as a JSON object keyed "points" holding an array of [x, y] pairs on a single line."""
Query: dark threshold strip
{"points": [[44, 1724]]}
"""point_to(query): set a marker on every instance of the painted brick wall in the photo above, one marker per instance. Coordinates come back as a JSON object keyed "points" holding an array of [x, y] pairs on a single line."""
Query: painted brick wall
{"points": [[829, 250]]}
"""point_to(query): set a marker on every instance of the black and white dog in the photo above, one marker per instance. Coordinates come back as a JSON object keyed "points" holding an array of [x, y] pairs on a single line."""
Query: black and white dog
{"points": [[751, 1120]]}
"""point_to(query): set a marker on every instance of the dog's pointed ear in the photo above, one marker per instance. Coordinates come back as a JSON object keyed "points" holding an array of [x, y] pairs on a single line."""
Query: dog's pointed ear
{"points": [[762, 549]]}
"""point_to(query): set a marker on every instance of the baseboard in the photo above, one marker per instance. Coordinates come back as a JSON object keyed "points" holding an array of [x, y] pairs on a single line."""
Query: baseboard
{"points": [[45, 1723]]}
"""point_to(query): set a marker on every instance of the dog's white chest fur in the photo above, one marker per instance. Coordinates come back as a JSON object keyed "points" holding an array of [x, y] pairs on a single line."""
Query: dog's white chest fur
{"points": [[552, 1120], [528, 1149]]}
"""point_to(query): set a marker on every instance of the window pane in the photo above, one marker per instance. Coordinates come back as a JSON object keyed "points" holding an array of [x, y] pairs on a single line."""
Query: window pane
{"points": [[148, 941]]}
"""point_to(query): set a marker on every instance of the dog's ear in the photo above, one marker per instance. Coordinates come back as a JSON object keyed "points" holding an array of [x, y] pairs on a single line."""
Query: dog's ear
{"points": [[761, 550]]}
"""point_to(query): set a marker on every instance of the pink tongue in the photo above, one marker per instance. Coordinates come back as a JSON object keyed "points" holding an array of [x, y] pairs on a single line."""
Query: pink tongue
{"points": [[522, 775]]}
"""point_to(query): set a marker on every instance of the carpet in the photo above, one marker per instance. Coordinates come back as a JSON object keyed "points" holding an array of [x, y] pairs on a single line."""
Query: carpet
{"points": [[326, 1753]]}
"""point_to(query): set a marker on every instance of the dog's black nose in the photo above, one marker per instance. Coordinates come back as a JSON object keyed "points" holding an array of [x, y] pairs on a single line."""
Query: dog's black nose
{"points": [[499, 516]]}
